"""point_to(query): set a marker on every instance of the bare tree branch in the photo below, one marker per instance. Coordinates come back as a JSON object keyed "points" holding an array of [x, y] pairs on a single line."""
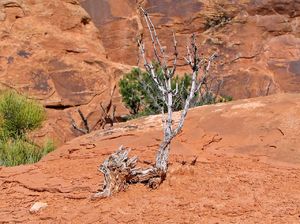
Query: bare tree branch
{"points": [[173, 70], [103, 120], [154, 38], [86, 128]]}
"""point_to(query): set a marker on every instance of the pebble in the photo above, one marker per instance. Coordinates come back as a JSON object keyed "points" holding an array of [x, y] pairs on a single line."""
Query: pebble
{"points": [[37, 207]]}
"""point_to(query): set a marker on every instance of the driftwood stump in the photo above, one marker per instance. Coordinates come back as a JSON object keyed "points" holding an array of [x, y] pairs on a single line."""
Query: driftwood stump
{"points": [[119, 171]]}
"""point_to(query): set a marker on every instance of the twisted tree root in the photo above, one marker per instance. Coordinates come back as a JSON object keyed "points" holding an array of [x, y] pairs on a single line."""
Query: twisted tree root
{"points": [[119, 171]]}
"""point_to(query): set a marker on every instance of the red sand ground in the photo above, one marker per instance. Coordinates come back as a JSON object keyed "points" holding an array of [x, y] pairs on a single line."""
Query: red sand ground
{"points": [[248, 171]]}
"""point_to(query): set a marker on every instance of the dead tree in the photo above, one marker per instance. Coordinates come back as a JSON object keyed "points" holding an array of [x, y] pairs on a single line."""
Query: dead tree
{"points": [[108, 113], [107, 116], [86, 129], [119, 170]]}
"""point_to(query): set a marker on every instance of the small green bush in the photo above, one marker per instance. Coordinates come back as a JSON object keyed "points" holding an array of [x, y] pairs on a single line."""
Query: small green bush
{"points": [[226, 99], [218, 20], [142, 97], [131, 91], [15, 152], [18, 116]]}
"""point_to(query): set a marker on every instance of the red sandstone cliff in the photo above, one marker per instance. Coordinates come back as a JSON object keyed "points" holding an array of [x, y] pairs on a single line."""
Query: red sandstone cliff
{"points": [[258, 42], [51, 51]]}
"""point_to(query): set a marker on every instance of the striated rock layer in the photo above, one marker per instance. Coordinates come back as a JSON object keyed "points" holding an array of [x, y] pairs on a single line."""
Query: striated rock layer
{"points": [[258, 42], [52, 52], [247, 170]]}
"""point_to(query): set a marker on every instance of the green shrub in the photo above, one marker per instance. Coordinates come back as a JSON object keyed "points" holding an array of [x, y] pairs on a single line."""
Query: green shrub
{"points": [[206, 99], [218, 20], [14, 152], [226, 99], [18, 116], [131, 91], [141, 95]]}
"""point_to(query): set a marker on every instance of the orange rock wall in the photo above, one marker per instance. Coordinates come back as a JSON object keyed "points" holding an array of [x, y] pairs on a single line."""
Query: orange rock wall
{"points": [[258, 42]]}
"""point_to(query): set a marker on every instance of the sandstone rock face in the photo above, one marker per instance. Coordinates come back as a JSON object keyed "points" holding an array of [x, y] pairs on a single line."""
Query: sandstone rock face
{"points": [[258, 42], [51, 51], [247, 168]]}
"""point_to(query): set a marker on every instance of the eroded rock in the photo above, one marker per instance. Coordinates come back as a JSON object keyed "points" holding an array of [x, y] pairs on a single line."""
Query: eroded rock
{"points": [[47, 51], [249, 36]]}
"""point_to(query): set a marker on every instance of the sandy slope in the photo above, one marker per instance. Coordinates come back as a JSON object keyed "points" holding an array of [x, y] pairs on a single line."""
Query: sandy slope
{"points": [[247, 171]]}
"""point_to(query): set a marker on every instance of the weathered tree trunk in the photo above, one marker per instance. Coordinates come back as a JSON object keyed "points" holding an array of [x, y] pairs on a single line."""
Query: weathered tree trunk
{"points": [[119, 171], [162, 156]]}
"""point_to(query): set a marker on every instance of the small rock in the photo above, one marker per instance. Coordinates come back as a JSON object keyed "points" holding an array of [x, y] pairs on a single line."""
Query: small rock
{"points": [[37, 207]]}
